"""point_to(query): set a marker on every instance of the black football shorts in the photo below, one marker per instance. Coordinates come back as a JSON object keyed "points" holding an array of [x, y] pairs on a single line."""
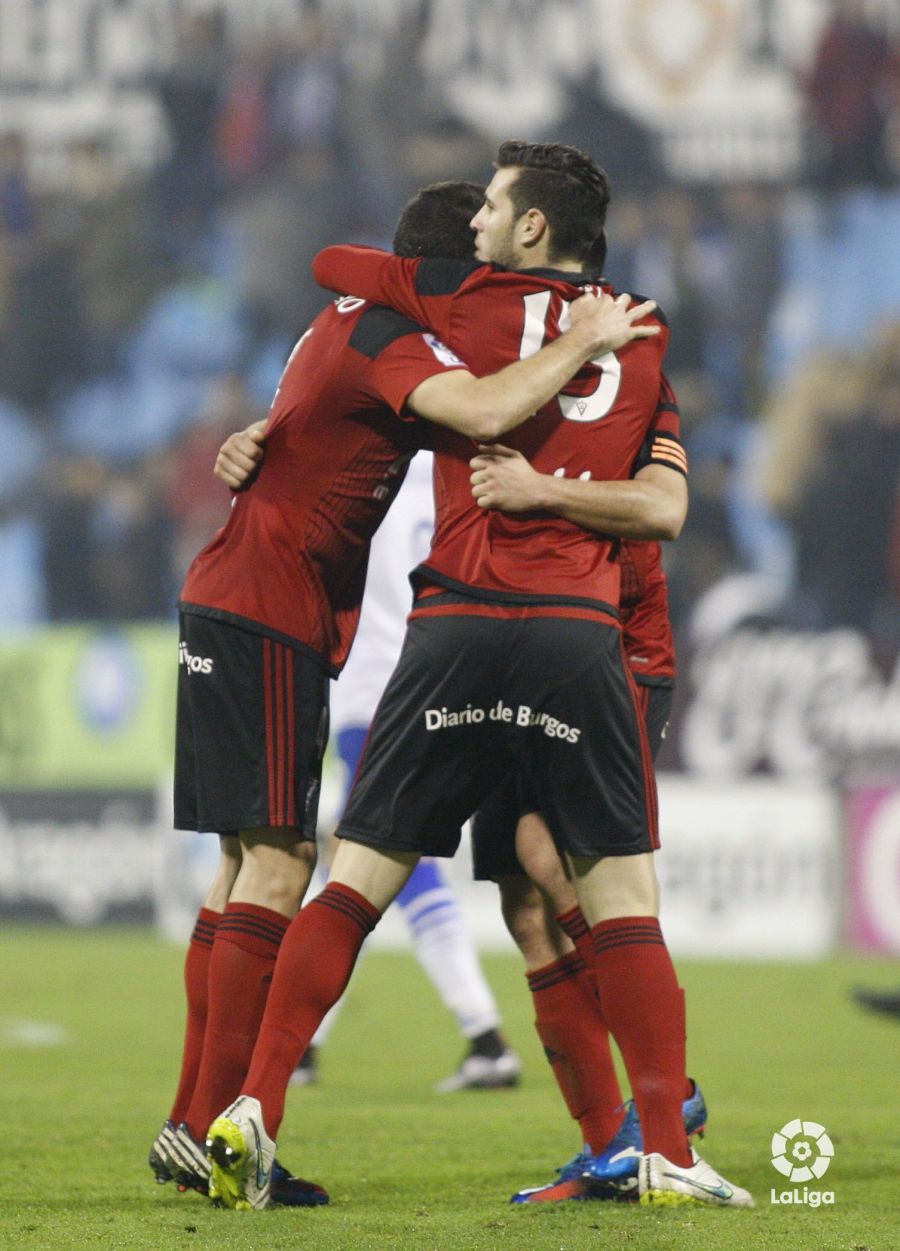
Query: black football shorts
{"points": [[494, 825], [474, 697], [251, 729]]}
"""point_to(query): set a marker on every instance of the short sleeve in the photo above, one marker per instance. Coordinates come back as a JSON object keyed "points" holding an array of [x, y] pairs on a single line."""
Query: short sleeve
{"points": [[407, 361]]}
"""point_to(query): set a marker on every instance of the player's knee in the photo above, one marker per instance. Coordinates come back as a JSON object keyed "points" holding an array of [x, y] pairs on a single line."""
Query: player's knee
{"points": [[617, 886], [277, 867]]}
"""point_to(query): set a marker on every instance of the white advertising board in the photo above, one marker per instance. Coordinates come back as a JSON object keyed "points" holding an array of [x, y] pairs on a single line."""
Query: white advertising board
{"points": [[749, 869]]}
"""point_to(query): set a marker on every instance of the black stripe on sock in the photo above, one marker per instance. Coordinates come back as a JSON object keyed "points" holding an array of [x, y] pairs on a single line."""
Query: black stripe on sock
{"points": [[570, 966], [612, 944], [348, 907], [254, 927]]}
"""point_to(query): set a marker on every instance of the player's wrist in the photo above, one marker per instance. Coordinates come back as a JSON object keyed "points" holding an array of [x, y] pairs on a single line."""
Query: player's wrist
{"points": [[547, 492], [584, 339]]}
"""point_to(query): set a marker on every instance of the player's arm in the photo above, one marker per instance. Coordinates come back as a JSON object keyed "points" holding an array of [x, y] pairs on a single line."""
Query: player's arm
{"points": [[486, 408], [241, 455], [651, 505], [382, 277]]}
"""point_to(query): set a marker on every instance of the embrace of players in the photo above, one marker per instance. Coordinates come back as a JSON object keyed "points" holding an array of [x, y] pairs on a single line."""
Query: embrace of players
{"points": [[531, 691]]}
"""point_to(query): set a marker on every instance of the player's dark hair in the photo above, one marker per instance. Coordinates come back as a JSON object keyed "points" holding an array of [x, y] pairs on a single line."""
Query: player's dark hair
{"points": [[596, 257], [436, 221], [568, 187]]}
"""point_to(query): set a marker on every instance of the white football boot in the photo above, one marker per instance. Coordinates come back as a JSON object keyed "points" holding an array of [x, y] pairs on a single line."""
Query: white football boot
{"points": [[241, 1155], [661, 1182]]}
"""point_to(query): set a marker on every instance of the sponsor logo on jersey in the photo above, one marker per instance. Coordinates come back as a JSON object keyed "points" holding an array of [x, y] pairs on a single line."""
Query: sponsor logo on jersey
{"points": [[441, 351], [522, 716], [194, 664]]}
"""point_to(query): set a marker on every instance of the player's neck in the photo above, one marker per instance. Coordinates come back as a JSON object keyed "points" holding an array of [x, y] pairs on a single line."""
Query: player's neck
{"points": [[567, 265], [538, 258]]}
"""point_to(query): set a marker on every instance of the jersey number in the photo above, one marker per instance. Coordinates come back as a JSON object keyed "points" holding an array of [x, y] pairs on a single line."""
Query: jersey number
{"points": [[592, 392]]}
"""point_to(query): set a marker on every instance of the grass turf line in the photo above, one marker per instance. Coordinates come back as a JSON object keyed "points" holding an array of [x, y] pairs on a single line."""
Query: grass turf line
{"points": [[410, 1169]]}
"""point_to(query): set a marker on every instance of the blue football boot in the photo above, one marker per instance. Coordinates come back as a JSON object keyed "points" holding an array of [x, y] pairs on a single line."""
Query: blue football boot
{"points": [[613, 1172]]}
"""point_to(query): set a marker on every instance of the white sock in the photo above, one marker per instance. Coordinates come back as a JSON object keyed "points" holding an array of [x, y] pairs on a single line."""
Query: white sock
{"points": [[445, 949]]}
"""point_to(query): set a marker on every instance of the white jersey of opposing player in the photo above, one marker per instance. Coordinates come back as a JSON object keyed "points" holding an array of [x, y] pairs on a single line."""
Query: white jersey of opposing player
{"points": [[401, 543]]}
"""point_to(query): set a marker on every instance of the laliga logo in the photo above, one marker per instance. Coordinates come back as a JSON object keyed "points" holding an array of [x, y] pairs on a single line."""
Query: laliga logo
{"points": [[795, 1145], [802, 1151]]}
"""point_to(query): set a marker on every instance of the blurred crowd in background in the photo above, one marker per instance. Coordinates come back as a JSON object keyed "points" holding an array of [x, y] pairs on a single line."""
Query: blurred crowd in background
{"points": [[145, 314]]}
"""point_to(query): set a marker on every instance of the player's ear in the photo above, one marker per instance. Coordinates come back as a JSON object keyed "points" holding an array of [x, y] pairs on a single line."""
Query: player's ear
{"points": [[532, 226]]}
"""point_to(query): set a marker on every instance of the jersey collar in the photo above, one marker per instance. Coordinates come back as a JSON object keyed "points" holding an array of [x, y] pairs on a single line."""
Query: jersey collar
{"points": [[575, 278]]}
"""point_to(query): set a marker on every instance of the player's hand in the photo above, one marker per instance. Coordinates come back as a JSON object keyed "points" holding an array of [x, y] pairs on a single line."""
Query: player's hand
{"points": [[502, 478], [241, 455], [609, 321]]}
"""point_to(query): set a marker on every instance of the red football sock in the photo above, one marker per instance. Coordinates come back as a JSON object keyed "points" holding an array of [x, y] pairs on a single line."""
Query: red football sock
{"points": [[196, 970], [644, 1008], [574, 924], [240, 971], [576, 1042], [317, 958]]}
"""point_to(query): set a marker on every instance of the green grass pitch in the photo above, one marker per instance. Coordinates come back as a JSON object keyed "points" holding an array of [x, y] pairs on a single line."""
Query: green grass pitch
{"points": [[410, 1169]]}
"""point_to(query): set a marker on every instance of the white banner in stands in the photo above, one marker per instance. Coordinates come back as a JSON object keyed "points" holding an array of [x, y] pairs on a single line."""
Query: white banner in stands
{"points": [[716, 78]]}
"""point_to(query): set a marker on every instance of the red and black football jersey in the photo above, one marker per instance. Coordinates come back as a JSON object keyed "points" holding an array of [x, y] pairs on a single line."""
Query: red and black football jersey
{"points": [[646, 628], [595, 428], [291, 560]]}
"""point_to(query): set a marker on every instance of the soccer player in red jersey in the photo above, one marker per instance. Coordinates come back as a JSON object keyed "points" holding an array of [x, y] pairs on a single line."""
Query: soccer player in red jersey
{"points": [[268, 612], [513, 658], [568, 1015]]}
